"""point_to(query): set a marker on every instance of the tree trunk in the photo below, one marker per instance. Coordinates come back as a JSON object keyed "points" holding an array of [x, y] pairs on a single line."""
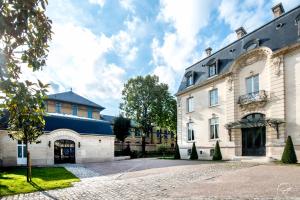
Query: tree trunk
{"points": [[144, 145], [28, 164]]}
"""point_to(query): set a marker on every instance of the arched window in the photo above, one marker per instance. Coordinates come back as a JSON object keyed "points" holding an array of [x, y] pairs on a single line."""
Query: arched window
{"points": [[254, 117]]}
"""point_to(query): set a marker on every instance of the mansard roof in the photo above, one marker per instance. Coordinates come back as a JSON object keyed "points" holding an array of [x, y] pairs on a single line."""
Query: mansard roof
{"points": [[276, 34], [72, 97]]}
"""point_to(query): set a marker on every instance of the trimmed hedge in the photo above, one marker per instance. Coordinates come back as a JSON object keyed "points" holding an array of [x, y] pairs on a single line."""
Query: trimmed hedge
{"points": [[194, 154], [217, 152], [289, 155]]}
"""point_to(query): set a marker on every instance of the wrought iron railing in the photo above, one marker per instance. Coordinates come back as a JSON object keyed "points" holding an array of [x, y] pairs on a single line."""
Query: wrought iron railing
{"points": [[259, 96]]}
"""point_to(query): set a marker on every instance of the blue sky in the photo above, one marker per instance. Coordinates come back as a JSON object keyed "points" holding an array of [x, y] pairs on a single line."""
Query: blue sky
{"points": [[99, 44]]}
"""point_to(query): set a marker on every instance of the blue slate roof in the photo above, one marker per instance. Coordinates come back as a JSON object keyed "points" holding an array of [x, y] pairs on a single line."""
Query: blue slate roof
{"points": [[72, 97], [269, 35], [80, 125]]}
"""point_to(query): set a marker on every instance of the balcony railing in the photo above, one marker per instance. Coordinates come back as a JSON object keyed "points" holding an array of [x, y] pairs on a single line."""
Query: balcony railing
{"points": [[255, 97]]}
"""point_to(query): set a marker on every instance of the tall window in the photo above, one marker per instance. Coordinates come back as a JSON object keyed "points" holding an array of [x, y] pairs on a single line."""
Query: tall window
{"points": [[190, 80], [58, 107], [214, 128], [212, 70], [74, 110], [190, 132], [213, 97], [90, 113], [190, 104], [252, 84]]}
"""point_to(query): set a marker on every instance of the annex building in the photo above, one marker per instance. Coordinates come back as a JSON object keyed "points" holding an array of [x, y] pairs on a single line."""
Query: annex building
{"points": [[74, 133]]}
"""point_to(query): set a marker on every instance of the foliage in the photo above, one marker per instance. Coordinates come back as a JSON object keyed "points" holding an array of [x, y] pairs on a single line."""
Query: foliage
{"points": [[149, 103], [162, 149], [121, 128], [217, 152], [289, 155], [177, 153], [24, 36], [194, 154], [13, 180]]}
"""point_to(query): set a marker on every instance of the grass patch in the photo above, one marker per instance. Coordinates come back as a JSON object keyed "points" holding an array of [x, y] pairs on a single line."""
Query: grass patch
{"points": [[13, 180]]}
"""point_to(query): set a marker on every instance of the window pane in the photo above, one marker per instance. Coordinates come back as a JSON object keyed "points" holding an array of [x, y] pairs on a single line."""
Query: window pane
{"points": [[249, 85], [211, 131], [193, 137], [24, 151], [19, 151], [216, 131], [255, 83], [190, 104]]}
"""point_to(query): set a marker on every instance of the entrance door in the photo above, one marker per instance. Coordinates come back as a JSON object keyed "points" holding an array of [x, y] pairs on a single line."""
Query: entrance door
{"points": [[254, 141], [22, 153], [64, 151]]}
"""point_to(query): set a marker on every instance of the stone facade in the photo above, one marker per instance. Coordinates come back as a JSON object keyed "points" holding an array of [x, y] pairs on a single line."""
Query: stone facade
{"points": [[279, 78], [88, 148]]}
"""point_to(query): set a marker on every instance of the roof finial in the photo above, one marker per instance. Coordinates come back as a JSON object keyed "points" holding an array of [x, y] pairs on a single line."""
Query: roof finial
{"points": [[71, 89]]}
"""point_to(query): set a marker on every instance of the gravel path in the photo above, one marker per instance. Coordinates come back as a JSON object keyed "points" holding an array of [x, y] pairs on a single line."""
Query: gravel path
{"points": [[166, 179]]}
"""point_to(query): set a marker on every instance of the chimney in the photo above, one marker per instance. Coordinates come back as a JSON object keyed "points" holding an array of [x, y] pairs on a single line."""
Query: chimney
{"points": [[278, 10], [208, 51], [240, 32]]}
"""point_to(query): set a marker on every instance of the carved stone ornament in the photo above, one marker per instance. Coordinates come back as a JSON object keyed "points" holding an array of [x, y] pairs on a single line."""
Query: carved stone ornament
{"points": [[230, 83], [276, 62]]}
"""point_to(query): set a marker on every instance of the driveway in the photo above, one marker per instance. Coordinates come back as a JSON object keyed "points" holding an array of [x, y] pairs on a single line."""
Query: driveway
{"points": [[178, 179]]}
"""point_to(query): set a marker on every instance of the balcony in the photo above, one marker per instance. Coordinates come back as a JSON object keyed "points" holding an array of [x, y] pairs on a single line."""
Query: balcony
{"points": [[253, 99]]}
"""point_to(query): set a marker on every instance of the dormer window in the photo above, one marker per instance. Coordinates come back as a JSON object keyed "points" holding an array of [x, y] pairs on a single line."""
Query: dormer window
{"points": [[212, 70], [252, 44], [212, 67], [297, 23], [189, 78]]}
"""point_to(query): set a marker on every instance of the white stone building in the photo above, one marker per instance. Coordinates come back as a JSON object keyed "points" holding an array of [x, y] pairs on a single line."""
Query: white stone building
{"points": [[245, 95], [73, 133]]}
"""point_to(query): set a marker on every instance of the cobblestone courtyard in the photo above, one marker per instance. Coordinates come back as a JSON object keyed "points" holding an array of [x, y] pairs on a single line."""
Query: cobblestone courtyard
{"points": [[177, 179]]}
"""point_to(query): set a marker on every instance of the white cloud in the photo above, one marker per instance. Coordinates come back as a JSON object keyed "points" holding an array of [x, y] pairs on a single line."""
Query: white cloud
{"points": [[128, 5], [178, 48], [98, 2]]}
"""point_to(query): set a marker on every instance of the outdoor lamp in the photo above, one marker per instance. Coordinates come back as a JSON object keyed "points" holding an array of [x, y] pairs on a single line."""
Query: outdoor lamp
{"points": [[78, 144], [49, 144]]}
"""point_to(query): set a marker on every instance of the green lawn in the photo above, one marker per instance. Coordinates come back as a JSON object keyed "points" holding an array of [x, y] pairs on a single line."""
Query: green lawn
{"points": [[13, 180]]}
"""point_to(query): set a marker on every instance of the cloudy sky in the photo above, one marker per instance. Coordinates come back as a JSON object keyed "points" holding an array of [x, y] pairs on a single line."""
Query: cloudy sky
{"points": [[99, 44]]}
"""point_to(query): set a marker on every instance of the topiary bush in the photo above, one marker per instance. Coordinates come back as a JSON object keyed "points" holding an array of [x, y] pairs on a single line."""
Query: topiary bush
{"points": [[217, 152], [194, 154], [176, 153], [289, 155]]}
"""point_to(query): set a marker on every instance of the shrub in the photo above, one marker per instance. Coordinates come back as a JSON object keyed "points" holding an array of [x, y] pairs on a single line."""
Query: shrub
{"points": [[289, 154], [162, 149], [127, 150], [194, 154], [217, 152], [177, 153]]}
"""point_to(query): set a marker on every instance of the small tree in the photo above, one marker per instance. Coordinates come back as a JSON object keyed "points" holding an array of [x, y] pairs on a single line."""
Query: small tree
{"points": [[127, 151], [194, 154], [289, 155], [217, 152], [177, 153], [121, 128]]}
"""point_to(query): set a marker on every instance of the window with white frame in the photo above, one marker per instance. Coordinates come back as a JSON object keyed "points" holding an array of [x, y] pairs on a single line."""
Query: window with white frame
{"points": [[212, 70], [213, 97], [190, 132], [190, 104], [190, 80], [252, 84], [214, 128]]}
